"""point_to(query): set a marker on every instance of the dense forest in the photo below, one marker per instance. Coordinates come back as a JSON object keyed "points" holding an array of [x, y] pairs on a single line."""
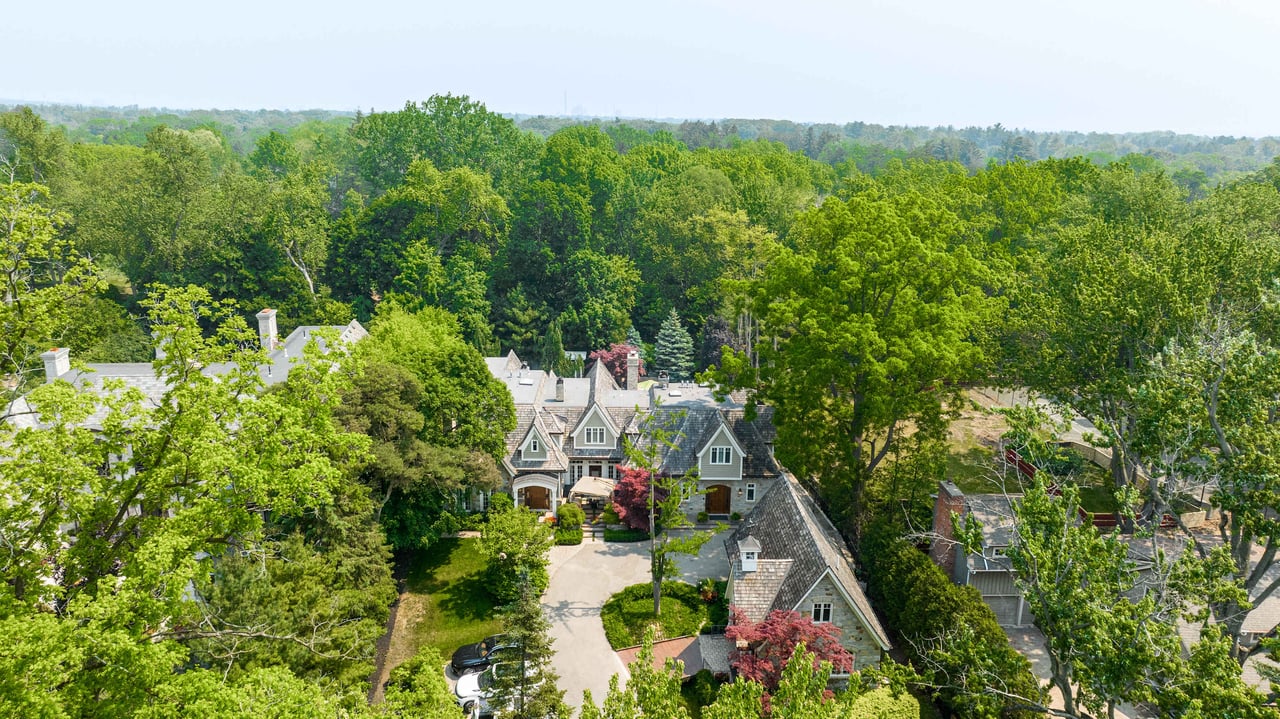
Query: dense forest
{"points": [[854, 278]]}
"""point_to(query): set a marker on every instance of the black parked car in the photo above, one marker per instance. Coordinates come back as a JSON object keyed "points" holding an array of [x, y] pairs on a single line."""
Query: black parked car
{"points": [[474, 657]]}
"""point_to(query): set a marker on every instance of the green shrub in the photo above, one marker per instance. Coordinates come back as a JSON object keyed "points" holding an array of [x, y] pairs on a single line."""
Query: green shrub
{"points": [[629, 613], [501, 502], [625, 535], [608, 516], [921, 604], [568, 535], [736, 517], [881, 704], [703, 516], [702, 688], [570, 515]]}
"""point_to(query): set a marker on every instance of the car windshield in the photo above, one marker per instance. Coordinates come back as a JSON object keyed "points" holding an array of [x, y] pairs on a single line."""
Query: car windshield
{"points": [[488, 645], [505, 669]]}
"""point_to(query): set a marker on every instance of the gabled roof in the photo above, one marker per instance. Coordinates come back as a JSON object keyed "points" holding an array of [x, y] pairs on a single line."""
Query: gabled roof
{"points": [[712, 430], [693, 427], [527, 419], [799, 545], [595, 410]]}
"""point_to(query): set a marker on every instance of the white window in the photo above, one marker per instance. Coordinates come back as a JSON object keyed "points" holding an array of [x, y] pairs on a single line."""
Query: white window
{"points": [[721, 455], [595, 435], [821, 612], [751, 493], [534, 446]]}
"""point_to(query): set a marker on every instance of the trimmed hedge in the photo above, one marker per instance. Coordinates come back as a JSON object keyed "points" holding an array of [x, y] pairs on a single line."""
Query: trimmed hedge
{"points": [[628, 613], [570, 515], [625, 535], [568, 535], [881, 704], [920, 603]]}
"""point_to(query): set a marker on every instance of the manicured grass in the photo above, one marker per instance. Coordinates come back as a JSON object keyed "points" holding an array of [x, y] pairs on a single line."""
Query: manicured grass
{"points": [[629, 613], [445, 604], [625, 535]]}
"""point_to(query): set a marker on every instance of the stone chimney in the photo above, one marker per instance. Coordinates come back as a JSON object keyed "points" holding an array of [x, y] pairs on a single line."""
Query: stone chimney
{"points": [[57, 362], [749, 553], [633, 370], [267, 332], [943, 551], [559, 389]]}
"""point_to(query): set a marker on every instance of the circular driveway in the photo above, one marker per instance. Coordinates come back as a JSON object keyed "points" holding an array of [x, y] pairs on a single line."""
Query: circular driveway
{"points": [[582, 578]]}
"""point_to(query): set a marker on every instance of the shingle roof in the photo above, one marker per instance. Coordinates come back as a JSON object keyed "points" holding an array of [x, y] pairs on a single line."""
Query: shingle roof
{"points": [[791, 527]]}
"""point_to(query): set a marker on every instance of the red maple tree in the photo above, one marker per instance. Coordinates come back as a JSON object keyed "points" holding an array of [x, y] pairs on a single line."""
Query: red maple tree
{"points": [[771, 642], [615, 360], [631, 497]]}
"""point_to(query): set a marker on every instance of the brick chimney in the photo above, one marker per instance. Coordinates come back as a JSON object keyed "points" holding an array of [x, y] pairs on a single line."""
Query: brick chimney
{"points": [[943, 551], [57, 362], [267, 332], [633, 370]]}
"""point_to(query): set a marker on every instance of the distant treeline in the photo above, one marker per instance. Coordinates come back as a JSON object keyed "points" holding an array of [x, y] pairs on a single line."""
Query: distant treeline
{"points": [[867, 145]]}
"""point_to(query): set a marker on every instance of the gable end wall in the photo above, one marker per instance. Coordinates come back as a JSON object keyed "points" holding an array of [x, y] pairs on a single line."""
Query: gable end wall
{"points": [[853, 635]]}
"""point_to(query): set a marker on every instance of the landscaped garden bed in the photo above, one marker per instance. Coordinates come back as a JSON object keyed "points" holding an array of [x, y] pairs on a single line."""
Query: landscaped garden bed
{"points": [[629, 613]]}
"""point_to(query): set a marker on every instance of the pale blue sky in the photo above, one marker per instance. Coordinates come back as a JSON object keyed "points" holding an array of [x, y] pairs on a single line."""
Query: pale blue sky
{"points": [[1118, 65]]}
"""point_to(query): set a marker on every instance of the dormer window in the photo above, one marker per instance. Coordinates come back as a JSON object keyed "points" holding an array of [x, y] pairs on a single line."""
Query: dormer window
{"points": [[534, 445], [749, 552], [721, 455], [595, 435]]}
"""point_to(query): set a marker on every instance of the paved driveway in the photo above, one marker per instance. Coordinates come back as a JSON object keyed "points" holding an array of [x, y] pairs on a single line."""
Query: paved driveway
{"points": [[582, 578]]}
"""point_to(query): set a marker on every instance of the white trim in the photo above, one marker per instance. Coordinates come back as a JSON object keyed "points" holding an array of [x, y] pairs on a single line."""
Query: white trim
{"points": [[848, 600], [813, 612], [751, 492], [604, 417], [724, 428], [591, 432], [728, 455], [531, 436]]}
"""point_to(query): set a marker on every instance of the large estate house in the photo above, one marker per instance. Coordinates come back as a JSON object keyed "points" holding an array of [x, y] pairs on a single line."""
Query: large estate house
{"points": [[572, 434], [142, 375]]}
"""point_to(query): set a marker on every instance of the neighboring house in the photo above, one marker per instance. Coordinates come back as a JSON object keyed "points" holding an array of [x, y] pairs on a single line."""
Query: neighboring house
{"points": [[787, 555], [142, 375], [572, 432], [988, 569]]}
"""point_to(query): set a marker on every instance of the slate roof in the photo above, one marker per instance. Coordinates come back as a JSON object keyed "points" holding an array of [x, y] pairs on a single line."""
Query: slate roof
{"points": [[693, 427], [791, 528], [693, 410], [142, 375]]}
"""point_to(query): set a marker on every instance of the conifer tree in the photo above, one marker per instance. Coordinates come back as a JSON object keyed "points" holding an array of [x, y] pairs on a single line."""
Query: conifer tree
{"points": [[527, 690], [553, 358], [673, 351]]}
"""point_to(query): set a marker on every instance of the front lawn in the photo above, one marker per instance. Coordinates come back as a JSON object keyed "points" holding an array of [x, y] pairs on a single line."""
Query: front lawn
{"points": [[629, 613], [445, 604]]}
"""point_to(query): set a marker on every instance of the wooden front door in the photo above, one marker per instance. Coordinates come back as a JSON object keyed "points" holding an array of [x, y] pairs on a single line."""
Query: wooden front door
{"points": [[537, 498], [718, 499]]}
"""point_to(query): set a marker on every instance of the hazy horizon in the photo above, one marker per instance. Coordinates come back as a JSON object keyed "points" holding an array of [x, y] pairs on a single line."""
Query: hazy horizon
{"points": [[1183, 66]]}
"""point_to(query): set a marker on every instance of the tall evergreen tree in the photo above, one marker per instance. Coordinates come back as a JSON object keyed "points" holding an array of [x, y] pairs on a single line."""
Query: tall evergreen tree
{"points": [[673, 351], [553, 358], [529, 691]]}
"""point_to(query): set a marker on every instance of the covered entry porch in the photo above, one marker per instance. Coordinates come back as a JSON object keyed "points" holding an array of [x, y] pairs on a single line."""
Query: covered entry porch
{"points": [[539, 492]]}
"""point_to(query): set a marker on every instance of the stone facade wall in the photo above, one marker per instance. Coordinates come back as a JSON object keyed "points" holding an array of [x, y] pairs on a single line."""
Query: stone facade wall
{"points": [[853, 635]]}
